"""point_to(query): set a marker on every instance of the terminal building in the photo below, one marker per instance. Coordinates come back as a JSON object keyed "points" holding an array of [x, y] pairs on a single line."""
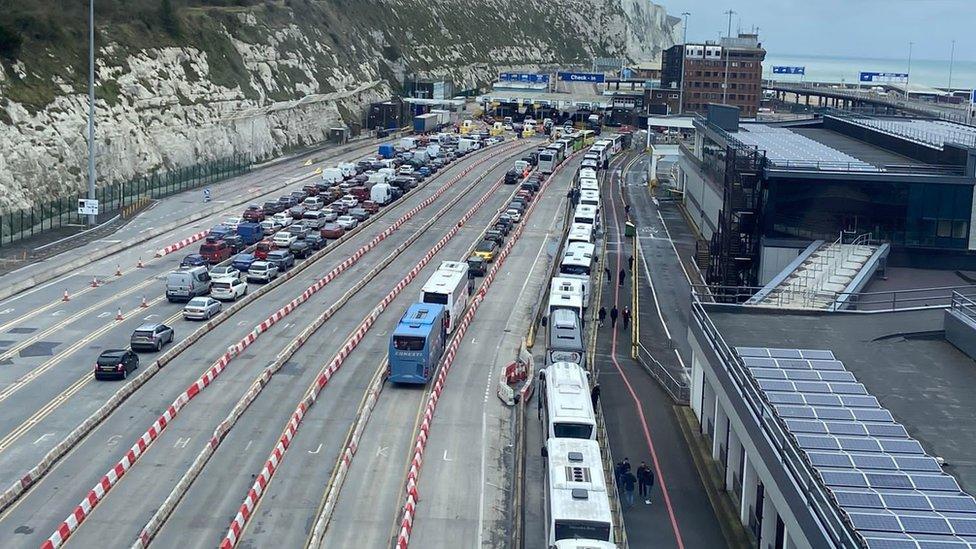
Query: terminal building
{"points": [[729, 72], [760, 195]]}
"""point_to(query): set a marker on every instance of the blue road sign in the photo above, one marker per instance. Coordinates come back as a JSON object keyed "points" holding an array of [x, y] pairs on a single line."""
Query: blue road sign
{"points": [[595, 77], [883, 76], [789, 70], [972, 99], [529, 78]]}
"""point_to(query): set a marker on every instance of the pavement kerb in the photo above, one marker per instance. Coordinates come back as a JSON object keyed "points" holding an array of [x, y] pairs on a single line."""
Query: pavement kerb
{"points": [[263, 478], [412, 480], [176, 495], [62, 268], [37, 472], [111, 478]]}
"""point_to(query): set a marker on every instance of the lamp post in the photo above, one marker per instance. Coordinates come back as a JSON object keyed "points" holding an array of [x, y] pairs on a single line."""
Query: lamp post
{"points": [[909, 71], [681, 84], [725, 84], [952, 55], [92, 219]]}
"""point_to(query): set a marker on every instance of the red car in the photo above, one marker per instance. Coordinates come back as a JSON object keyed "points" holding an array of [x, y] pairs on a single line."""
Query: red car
{"points": [[370, 206], [262, 249], [253, 213], [361, 193], [332, 230], [215, 251], [312, 190]]}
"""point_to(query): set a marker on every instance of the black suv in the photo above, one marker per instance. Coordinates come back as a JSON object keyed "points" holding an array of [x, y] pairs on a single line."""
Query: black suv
{"points": [[115, 364]]}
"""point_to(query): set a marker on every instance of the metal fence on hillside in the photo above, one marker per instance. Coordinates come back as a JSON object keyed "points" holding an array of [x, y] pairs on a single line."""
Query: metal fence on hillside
{"points": [[63, 212]]}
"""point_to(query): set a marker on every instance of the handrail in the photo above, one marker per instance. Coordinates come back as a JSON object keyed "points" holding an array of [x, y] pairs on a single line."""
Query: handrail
{"points": [[805, 482], [963, 305], [857, 302]]}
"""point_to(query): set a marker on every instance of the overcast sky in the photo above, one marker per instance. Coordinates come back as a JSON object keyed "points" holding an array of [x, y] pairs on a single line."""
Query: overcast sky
{"points": [[850, 28]]}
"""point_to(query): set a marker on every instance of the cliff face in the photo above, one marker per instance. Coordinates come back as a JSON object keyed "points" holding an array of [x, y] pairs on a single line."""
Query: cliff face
{"points": [[185, 82]]}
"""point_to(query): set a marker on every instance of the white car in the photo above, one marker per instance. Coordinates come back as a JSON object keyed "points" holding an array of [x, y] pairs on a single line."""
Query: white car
{"points": [[232, 222], [282, 219], [349, 201], [284, 239], [406, 169], [329, 215], [347, 222], [269, 226], [514, 215], [201, 308], [225, 272], [228, 289], [262, 271]]}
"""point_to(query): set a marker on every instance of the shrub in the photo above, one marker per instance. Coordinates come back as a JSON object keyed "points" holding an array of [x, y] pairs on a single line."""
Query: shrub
{"points": [[10, 43]]}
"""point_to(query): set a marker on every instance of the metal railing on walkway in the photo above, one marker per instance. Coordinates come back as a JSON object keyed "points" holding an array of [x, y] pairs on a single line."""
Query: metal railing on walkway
{"points": [[677, 389], [964, 305], [940, 297]]}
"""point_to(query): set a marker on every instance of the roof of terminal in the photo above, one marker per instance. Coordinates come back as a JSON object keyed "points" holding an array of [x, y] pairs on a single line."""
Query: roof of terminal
{"points": [[901, 359]]}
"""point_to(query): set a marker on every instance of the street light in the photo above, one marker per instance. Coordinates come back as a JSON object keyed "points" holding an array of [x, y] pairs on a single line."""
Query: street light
{"points": [[725, 85], [952, 54], [92, 219], [909, 71], [684, 45]]}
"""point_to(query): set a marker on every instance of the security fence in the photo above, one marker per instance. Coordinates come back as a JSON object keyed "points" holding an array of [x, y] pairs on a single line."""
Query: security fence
{"points": [[112, 199]]}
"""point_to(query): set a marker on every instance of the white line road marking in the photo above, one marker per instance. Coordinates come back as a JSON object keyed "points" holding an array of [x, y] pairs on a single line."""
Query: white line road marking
{"points": [[42, 437], [113, 440], [382, 451], [149, 317], [58, 313], [7, 311], [181, 442], [146, 230], [317, 450], [104, 314], [445, 456], [241, 323], [246, 448]]}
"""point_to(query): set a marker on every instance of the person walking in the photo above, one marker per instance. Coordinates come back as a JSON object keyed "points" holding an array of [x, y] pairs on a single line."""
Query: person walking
{"points": [[645, 481], [602, 315], [613, 317], [630, 263], [625, 315], [622, 276], [618, 473], [595, 395], [609, 278], [627, 210], [630, 482]]}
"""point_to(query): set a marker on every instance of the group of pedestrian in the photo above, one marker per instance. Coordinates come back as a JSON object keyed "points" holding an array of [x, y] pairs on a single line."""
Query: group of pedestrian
{"points": [[614, 314], [627, 481]]}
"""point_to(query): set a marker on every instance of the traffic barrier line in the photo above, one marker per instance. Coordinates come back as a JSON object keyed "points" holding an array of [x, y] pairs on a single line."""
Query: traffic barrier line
{"points": [[352, 341], [182, 243], [158, 519], [420, 445], [98, 492]]}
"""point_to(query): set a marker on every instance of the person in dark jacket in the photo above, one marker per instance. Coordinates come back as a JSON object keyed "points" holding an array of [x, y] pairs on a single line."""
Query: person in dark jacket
{"points": [[602, 315], [622, 276], [629, 481], [595, 395], [625, 315], [645, 480], [607, 271], [630, 262], [613, 317]]}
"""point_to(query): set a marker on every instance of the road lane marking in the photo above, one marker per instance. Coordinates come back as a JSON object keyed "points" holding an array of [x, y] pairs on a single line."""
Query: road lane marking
{"points": [[317, 450], [181, 442], [42, 437], [445, 456], [113, 440], [7, 311]]}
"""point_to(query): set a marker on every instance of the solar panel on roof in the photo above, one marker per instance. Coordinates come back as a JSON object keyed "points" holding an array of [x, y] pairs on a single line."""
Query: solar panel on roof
{"points": [[795, 411], [963, 526], [812, 387], [896, 446], [837, 376], [935, 482], [817, 354], [774, 385], [875, 521], [759, 362], [891, 543], [859, 444], [801, 375], [845, 428], [960, 503], [848, 388], [830, 459], [889, 430], [785, 353], [785, 398], [873, 461], [860, 401], [850, 498], [817, 442], [823, 400], [806, 426], [888, 480], [835, 413], [793, 364], [848, 478], [925, 525], [876, 415], [833, 365], [751, 351], [907, 500]]}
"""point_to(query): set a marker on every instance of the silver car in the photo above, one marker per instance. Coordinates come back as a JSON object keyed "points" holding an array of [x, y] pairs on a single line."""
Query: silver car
{"points": [[201, 308], [151, 337], [262, 271]]}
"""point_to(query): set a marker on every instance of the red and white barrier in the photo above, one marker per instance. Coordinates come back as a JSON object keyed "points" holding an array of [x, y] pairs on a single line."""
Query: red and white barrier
{"points": [[271, 464], [98, 492], [411, 489], [181, 244]]}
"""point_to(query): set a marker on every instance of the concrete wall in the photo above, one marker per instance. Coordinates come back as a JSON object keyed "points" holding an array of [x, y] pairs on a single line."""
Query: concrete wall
{"points": [[702, 199], [961, 332], [773, 260]]}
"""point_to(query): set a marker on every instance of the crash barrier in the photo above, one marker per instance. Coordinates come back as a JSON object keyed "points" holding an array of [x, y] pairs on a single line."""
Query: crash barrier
{"points": [[71, 523], [420, 445], [267, 472], [196, 237], [156, 522]]}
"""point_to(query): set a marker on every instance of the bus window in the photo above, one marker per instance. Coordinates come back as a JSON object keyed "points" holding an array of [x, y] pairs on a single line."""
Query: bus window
{"points": [[432, 297], [408, 343], [575, 270]]}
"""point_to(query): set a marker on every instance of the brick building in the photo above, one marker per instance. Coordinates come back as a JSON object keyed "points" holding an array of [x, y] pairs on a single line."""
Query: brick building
{"points": [[726, 73]]}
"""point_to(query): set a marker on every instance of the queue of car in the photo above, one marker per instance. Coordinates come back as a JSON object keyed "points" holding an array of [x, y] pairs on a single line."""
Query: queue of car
{"points": [[486, 250]]}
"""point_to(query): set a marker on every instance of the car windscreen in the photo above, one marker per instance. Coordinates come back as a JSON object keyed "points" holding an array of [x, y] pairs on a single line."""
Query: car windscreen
{"points": [[109, 360], [485, 247]]}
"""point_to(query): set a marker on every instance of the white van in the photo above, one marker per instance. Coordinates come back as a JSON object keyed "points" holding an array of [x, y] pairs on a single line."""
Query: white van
{"points": [[467, 144], [348, 169], [407, 143], [333, 176], [313, 203], [377, 178], [381, 193], [186, 283]]}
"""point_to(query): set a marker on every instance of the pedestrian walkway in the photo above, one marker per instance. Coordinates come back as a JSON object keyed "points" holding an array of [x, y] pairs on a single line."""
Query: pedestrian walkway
{"points": [[640, 416]]}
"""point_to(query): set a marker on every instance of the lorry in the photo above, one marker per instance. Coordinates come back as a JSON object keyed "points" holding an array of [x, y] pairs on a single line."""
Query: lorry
{"points": [[443, 117], [425, 123], [381, 193], [407, 143], [387, 150]]}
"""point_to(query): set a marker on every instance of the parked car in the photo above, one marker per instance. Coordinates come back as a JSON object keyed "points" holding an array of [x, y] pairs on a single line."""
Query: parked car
{"points": [[299, 195], [285, 202], [263, 248], [359, 214], [371, 207], [296, 212], [504, 224], [228, 289], [486, 250], [349, 201], [514, 214], [347, 222], [311, 190], [281, 259], [315, 241], [332, 230], [339, 208], [262, 271], [151, 337], [283, 239], [313, 203], [115, 364], [329, 214], [300, 249], [232, 222], [193, 260], [269, 227], [477, 266], [253, 213], [299, 230], [214, 251], [243, 262], [201, 308], [314, 220], [494, 234], [512, 177], [282, 219], [226, 271], [272, 207]]}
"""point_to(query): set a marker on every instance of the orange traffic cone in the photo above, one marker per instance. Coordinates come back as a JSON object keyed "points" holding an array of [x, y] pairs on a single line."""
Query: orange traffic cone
{"points": [[118, 270], [118, 315], [66, 298], [94, 282], [139, 265], [144, 304]]}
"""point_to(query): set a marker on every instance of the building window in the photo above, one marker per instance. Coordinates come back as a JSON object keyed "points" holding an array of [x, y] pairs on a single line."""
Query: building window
{"points": [[944, 228], [735, 63], [960, 229], [673, 96], [708, 74]]}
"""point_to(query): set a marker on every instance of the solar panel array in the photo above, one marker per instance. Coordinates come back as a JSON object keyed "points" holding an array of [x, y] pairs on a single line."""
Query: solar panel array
{"points": [[932, 132], [891, 491], [784, 146]]}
